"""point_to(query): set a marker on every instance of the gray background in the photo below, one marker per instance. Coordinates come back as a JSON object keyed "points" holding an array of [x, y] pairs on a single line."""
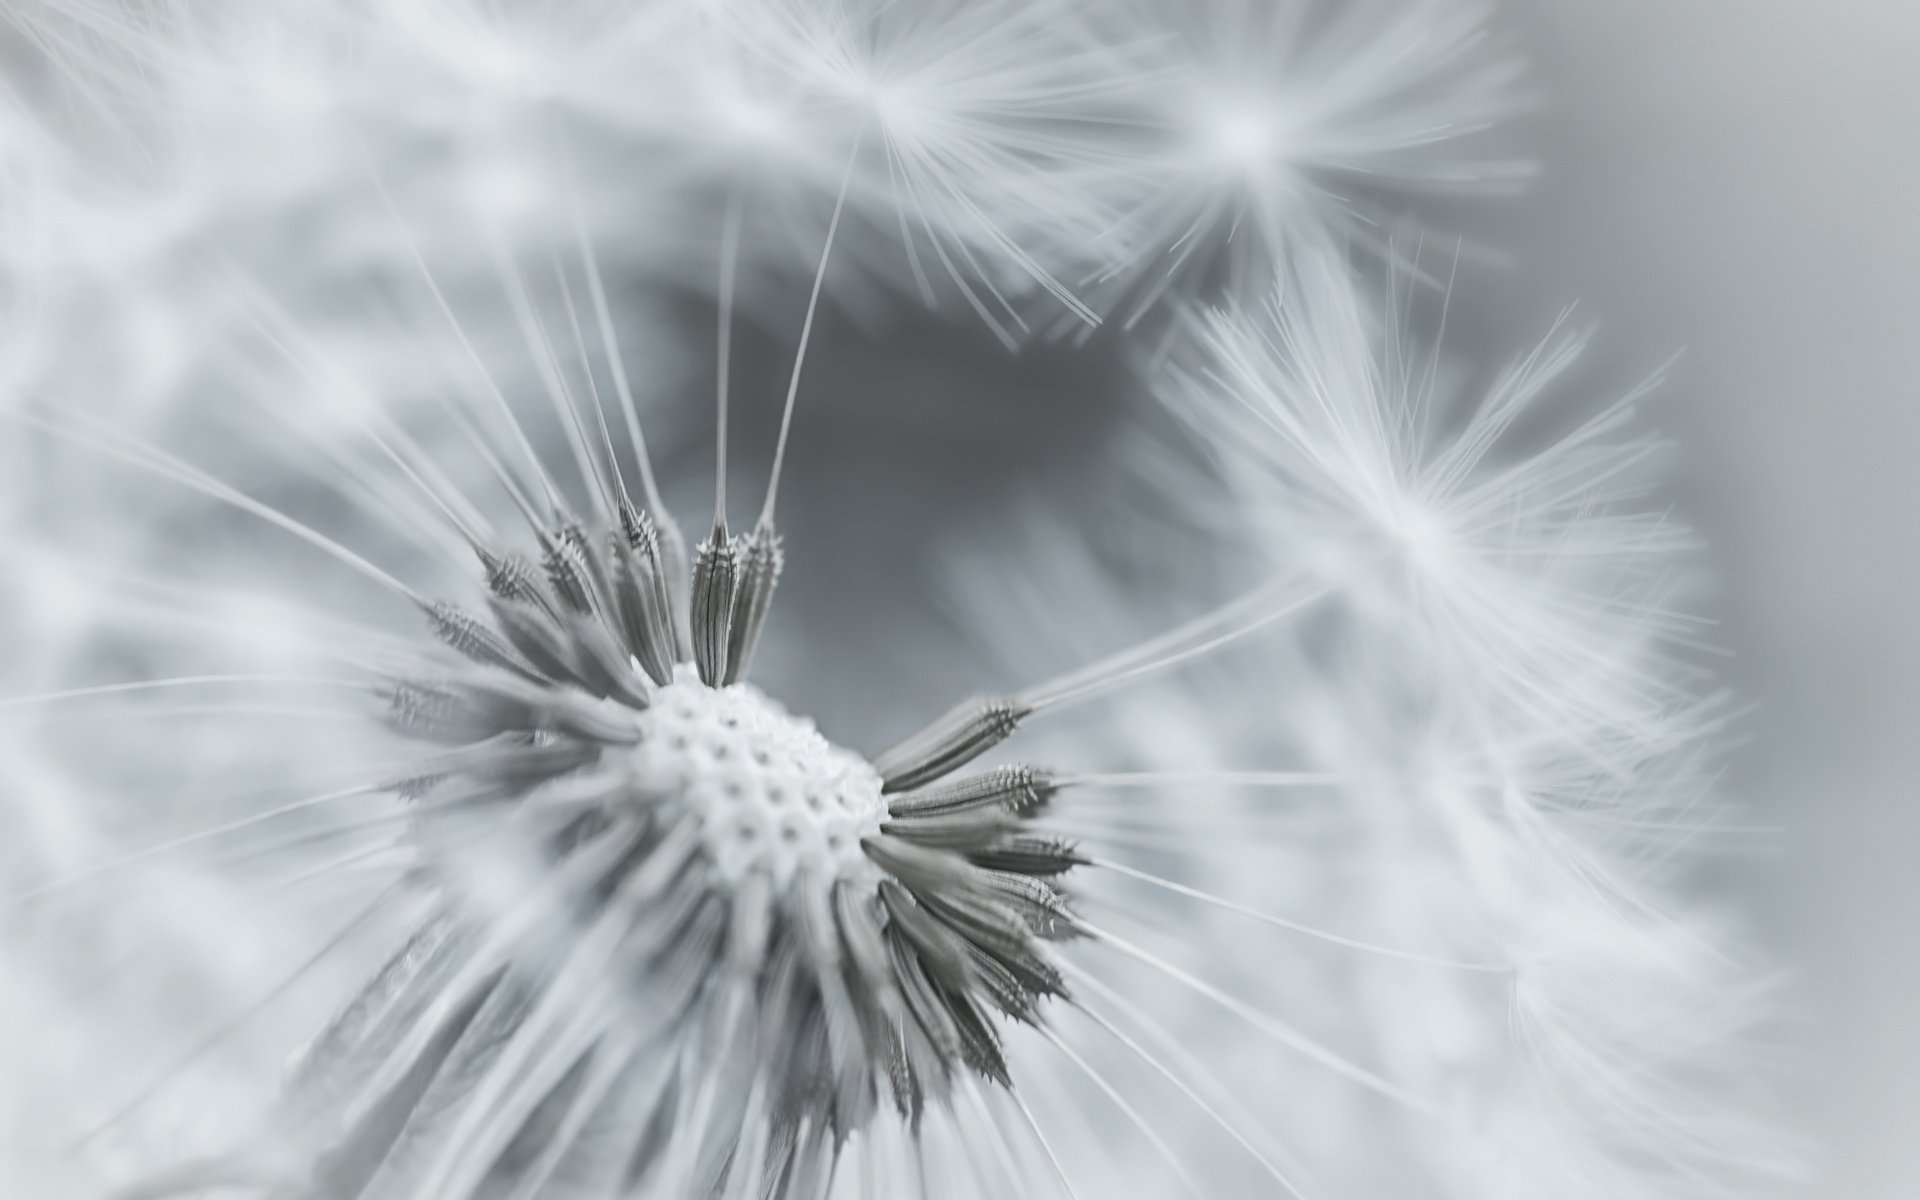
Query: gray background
{"points": [[1737, 179]]}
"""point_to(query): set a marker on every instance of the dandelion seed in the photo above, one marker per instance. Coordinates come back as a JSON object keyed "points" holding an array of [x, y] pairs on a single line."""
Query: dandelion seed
{"points": [[1269, 127], [658, 894], [965, 123], [1541, 574]]}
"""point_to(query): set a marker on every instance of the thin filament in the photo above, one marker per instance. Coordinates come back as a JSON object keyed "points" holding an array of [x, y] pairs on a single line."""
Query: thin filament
{"points": [[1294, 926], [806, 335], [1051, 696], [723, 369]]}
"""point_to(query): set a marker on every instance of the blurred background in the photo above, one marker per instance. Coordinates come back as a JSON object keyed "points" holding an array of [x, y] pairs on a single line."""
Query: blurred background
{"points": [[1736, 181]]}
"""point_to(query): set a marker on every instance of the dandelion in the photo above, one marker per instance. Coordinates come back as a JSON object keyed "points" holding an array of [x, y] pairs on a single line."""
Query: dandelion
{"points": [[1540, 577], [666, 935], [955, 132], [1505, 679], [375, 705], [1267, 127]]}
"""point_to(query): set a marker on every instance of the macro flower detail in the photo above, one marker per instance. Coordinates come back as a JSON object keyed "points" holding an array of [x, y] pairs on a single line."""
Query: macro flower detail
{"points": [[404, 805], [663, 935], [709, 884]]}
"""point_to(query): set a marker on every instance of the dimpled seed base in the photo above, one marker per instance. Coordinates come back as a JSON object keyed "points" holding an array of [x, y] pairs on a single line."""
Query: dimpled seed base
{"points": [[771, 794]]}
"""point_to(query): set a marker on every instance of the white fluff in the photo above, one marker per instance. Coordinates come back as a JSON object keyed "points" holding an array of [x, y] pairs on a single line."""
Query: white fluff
{"points": [[1395, 880]]}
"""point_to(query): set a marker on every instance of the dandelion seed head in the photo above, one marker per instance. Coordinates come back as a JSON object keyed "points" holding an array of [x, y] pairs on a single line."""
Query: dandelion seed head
{"points": [[692, 869], [771, 795], [633, 925]]}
